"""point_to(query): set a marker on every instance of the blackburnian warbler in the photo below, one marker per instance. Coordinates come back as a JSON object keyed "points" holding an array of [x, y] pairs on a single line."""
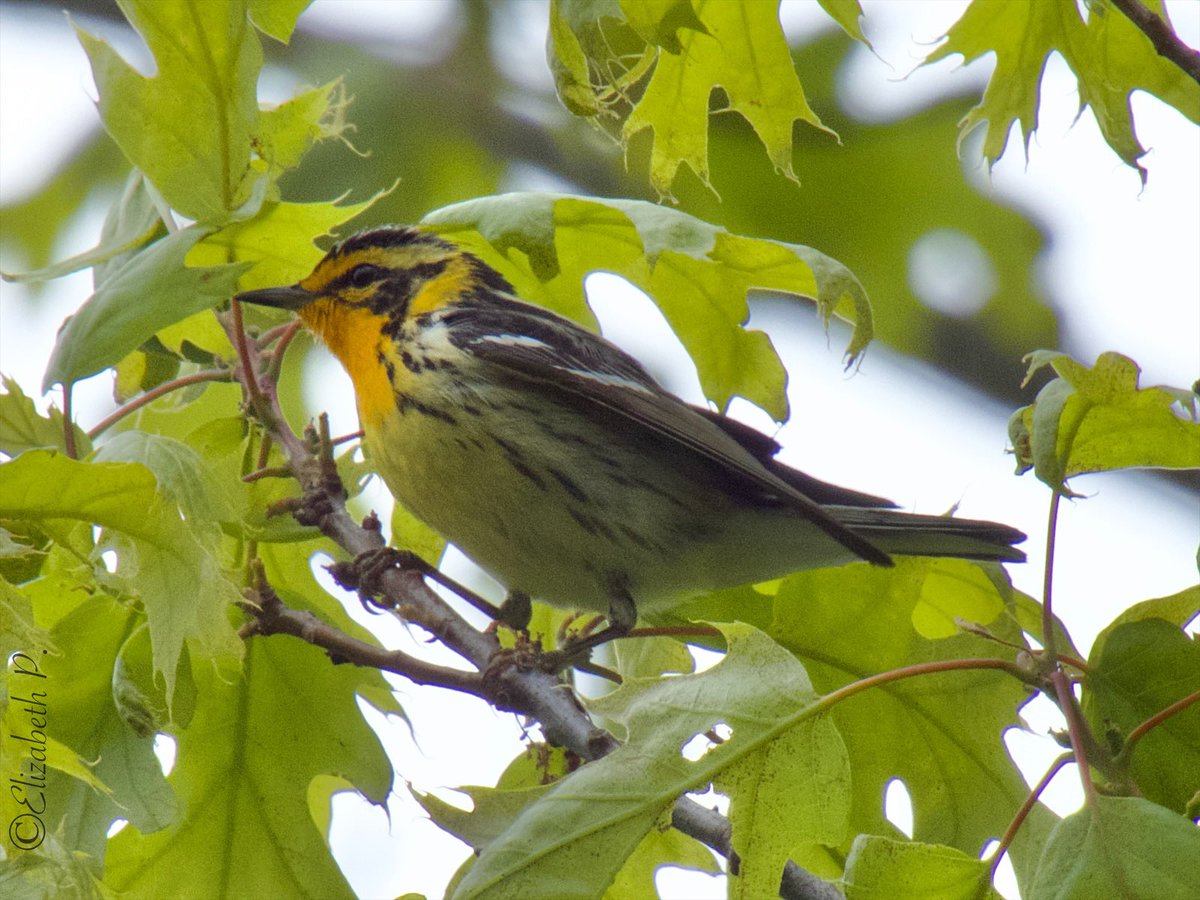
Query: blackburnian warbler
{"points": [[554, 460]]}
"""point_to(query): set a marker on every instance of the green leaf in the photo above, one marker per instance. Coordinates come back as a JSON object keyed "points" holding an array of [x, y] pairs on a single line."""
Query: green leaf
{"points": [[189, 127], [23, 428], [277, 17], [741, 50], [36, 223], [1136, 671], [492, 813], [569, 64], [19, 633], [855, 621], [151, 291], [952, 589], [287, 132], [248, 791], [662, 846], [278, 241], [182, 474], [698, 274], [131, 223], [1119, 847], [1178, 609], [571, 841], [879, 868], [1109, 55], [84, 718], [847, 14], [184, 590], [51, 872], [1098, 419]]}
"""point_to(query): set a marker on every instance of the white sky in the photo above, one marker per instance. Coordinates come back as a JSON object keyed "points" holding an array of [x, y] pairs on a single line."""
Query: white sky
{"points": [[1123, 264]]}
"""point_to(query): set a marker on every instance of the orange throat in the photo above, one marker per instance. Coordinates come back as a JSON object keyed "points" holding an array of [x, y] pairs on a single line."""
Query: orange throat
{"points": [[354, 336]]}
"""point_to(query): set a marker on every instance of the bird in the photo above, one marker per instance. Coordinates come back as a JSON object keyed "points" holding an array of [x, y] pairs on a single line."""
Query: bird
{"points": [[555, 461]]}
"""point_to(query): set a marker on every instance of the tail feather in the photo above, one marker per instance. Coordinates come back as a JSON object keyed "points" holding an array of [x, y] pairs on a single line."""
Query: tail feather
{"points": [[911, 534]]}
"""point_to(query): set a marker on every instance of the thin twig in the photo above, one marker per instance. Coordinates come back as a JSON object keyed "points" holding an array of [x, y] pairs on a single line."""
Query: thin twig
{"points": [[271, 616], [1155, 720], [249, 376], [1166, 43], [1010, 833], [151, 395], [1048, 637], [1077, 728], [286, 336]]}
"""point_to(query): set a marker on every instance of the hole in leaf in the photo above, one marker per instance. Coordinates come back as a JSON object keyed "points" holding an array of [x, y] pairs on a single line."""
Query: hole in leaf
{"points": [[164, 749], [897, 806], [672, 882], [116, 826], [711, 799], [704, 741]]}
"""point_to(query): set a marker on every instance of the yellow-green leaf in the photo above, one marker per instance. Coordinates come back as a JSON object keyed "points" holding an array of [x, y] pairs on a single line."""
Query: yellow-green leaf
{"points": [[1109, 55], [189, 126], [1097, 419]]}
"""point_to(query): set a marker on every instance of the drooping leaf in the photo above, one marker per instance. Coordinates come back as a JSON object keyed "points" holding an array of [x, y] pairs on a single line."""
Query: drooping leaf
{"points": [[698, 274], [600, 55], [131, 223], [152, 290], [1097, 419], [1110, 56], [35, 223]]}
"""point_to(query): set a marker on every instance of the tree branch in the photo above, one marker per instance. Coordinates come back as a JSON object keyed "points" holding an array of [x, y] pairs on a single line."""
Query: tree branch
{"points": [[502, 679], [1162, 36]]}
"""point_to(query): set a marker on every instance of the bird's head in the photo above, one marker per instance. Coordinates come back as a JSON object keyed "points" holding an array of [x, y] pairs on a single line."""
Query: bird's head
{"points": [[384, 275]]}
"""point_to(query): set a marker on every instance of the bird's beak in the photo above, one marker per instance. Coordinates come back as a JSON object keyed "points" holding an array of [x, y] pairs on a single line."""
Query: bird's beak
{"points": [[291, 297]]}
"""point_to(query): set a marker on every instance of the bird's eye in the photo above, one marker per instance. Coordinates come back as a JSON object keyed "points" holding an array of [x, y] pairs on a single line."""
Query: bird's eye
{"points": [[364, 275]]}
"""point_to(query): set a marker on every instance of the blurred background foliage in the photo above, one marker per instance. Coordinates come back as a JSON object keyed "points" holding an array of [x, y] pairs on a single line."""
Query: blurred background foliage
{"points": [[451, 122]]}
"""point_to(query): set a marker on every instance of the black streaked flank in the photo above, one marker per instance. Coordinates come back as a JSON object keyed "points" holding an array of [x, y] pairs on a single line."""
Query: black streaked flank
{"points": [[405, 403], [513, 455], [569, 485], [640, 539]]}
